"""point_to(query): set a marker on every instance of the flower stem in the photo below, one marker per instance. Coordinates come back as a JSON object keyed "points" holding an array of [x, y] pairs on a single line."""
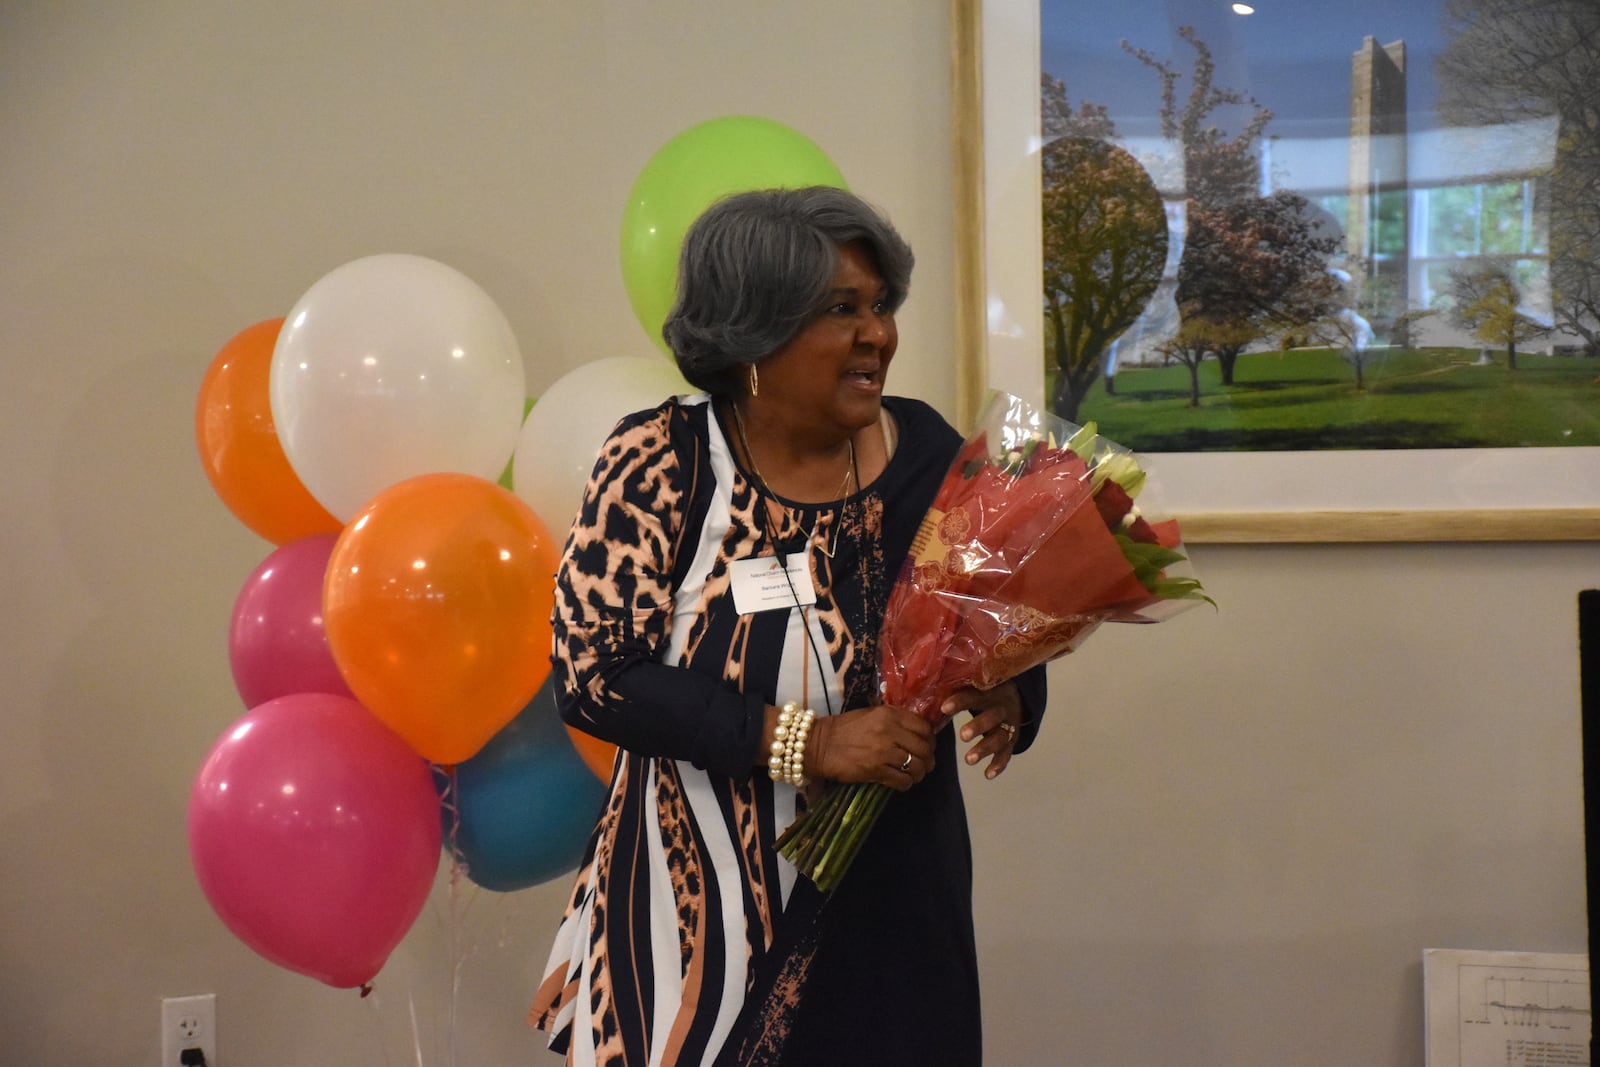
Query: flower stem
{"points": [[866, 803], [832, 807], [805, 824], [823, 842]]}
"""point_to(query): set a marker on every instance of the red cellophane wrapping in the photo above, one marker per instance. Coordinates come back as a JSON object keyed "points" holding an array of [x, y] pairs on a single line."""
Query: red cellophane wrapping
{"points": [[1033, 540], [1018, 561]]}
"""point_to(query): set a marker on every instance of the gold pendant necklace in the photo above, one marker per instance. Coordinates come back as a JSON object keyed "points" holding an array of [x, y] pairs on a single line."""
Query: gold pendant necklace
{"points": [[761, 482]]}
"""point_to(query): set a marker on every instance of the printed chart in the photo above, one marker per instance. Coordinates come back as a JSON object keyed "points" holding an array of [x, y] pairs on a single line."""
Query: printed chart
{"points": [[1507, 1009]]}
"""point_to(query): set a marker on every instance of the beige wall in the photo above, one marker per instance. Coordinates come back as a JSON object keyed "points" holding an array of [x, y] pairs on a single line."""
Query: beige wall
{"points": [[1232, 842]]}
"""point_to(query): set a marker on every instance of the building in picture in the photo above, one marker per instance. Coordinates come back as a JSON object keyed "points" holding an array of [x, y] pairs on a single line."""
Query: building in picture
{"points": [[1415, 205]]}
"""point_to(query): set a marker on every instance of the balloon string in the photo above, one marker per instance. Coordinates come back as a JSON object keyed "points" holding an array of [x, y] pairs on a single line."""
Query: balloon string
{"points": [[457, 918], [450, 799], [416, 1034], [375, 1013]]}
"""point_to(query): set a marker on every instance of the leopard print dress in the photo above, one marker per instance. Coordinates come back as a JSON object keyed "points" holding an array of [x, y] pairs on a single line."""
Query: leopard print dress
{"points": [[687, 938]]}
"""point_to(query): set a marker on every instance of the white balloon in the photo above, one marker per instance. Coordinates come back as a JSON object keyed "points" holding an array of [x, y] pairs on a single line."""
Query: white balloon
{"points": [[562, 435], [389, 367]]}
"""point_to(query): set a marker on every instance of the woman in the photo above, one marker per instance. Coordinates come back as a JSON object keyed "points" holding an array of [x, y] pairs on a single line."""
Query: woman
{"points": [[727, 574]]}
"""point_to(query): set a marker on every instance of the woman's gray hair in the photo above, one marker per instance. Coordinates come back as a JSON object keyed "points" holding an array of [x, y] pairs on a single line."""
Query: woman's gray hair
{"points": [[756, 268]]}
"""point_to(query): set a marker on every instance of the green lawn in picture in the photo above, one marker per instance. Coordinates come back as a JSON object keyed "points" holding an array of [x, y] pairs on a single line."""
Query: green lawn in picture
{"points": [[1306, 399]]}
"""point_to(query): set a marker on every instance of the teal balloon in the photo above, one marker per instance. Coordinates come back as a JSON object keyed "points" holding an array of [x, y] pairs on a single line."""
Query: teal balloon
{"points": [[688, 174], [521, 811]]}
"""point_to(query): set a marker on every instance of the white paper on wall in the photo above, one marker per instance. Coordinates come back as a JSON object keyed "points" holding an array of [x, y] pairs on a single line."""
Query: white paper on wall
{"points": [[1506, 1009]]}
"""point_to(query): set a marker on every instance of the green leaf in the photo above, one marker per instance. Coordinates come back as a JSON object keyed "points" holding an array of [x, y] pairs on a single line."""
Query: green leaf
{"points": [[1180, 589], [1082, 442], [1121, 468], [1150, 561], [1147, 560]]}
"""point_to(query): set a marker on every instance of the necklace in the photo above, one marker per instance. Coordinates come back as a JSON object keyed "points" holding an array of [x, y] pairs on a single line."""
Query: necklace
{"points": [[826, 548], [763, 490], [861, 685]]}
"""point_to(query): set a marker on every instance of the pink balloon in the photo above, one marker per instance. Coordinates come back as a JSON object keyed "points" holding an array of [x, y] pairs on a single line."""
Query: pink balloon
{"points": [[315, 834], [276, 642]]}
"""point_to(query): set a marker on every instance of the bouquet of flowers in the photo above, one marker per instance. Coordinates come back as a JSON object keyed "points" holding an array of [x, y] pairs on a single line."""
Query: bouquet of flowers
{"points": [[1033, 541]]}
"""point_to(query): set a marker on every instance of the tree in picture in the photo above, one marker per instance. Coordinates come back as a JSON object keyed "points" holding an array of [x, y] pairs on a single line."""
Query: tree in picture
{"points": [[1508, 61], [1346, 330], [1364, 294], [1487, 300], [1253, 266], [1198, 337], [1104, 242]]}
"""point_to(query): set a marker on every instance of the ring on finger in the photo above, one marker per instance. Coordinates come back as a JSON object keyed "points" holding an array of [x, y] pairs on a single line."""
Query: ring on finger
{"points": [[1011, 732], [905, 765]]}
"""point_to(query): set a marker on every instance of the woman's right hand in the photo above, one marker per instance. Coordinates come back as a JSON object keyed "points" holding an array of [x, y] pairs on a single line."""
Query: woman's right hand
{"points": [[888, 745]]}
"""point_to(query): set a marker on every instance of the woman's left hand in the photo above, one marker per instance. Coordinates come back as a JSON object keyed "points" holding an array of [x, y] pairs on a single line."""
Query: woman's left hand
{"points": [[996, 722]]}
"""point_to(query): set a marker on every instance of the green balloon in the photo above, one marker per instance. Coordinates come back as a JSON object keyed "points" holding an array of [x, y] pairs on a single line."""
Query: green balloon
{"points": [[686, 175], [506, 475]]}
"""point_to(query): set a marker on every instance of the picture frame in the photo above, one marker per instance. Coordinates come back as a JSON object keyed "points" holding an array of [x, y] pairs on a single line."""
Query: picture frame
{"points": [[1470, 494]]}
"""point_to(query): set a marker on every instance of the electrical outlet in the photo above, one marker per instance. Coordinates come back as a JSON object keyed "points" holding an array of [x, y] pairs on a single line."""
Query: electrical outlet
{"points": [[189, 1023]]}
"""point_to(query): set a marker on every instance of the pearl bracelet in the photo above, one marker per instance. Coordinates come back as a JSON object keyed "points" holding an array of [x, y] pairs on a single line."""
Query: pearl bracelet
{"points": [[787, 758]]}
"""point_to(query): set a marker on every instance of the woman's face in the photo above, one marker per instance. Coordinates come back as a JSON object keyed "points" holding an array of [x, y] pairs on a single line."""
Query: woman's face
{"points": [[829, 379]]}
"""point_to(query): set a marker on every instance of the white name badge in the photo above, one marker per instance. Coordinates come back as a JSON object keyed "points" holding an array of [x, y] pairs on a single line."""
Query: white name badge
{"points": [[762, 584]]}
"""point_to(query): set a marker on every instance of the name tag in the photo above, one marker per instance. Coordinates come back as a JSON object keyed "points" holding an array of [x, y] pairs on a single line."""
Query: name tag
{"points": [[763, 583]]}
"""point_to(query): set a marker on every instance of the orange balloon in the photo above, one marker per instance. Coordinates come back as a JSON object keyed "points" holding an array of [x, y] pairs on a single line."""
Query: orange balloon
{"points": [[599, 756], [437, 610], [239, 446]]}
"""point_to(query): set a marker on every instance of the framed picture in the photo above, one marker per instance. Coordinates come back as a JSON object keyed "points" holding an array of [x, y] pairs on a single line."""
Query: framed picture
{"points": [[1407, 243]]}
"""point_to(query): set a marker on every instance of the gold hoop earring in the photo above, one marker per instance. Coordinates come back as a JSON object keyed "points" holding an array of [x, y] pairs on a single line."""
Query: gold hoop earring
{"points": [[755, 381]]}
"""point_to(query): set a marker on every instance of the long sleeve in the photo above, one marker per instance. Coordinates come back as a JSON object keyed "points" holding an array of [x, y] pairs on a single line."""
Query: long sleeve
{"points": [[614, 605], [1032, 687]]}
